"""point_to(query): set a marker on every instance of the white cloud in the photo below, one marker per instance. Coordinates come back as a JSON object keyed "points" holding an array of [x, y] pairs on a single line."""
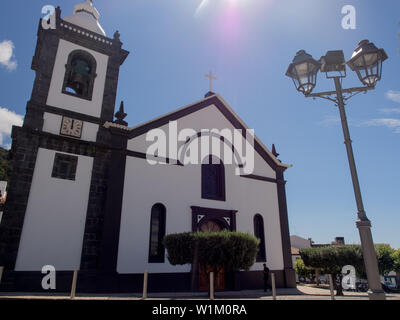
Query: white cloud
{"points": [[384, 122], [390, 123], [334, 120], [389, 110], [7, 54], [393, 95], [329, 121], [8, 118]]}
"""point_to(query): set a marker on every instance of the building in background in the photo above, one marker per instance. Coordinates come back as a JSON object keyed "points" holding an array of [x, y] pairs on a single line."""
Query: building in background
{"points": [[298, 243]]}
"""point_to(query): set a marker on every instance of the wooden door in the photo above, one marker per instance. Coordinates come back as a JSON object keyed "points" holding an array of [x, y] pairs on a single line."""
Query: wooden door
{"points": [[219, 279], [204, 281]]}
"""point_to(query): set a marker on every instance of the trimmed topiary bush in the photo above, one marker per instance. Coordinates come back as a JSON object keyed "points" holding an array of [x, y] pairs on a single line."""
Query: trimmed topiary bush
{"points": [[232, 250]]}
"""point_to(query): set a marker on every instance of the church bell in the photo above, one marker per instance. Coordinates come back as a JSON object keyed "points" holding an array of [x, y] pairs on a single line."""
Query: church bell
{"points": [[80, 76]]}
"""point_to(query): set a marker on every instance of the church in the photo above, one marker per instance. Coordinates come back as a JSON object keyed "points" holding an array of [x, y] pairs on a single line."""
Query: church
{"points": [[90, 193]]}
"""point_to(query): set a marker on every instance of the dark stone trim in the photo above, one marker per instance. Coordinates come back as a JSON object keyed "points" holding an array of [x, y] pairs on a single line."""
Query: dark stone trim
{"points": [[113, 208], [67, 144], [110, 87], [43, 64], [90, 148], [24, 152], [217, 215], [260, 178], [170, 117], [194, 108], [290, 279], [97, 282], [141, 155], [94, 223], [64, 113]]}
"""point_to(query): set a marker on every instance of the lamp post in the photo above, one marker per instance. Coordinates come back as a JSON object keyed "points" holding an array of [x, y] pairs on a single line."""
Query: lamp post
{"points": [[366, 61]]}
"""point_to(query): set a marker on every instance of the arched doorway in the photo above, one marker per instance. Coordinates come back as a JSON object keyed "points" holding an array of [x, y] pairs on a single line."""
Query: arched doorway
{"points": [[219, 279], [210, 226]]}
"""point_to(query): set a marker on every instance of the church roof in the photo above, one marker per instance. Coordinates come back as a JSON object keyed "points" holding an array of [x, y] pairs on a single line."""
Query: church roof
{"points": [[86, 16], [222, 106]]}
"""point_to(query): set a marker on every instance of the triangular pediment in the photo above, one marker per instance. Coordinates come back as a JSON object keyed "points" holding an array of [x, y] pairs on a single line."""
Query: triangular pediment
{"points": [[209, 113]]}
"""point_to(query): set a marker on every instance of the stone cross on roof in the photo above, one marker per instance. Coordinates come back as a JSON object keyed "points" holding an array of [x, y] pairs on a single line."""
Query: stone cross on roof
{"points": [[211, 77]]}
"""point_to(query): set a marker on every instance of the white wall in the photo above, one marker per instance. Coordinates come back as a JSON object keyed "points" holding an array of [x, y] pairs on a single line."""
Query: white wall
{"points": [[207, 118], [55, 217], [52, 124], [179, 188], [59, 100]]}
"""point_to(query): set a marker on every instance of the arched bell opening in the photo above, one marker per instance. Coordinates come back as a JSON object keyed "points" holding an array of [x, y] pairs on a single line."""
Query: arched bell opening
{"points": [[80, 74]]}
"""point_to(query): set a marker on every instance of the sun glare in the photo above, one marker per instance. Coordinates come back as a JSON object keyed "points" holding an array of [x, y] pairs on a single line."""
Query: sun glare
{"points": [[219, 3]]}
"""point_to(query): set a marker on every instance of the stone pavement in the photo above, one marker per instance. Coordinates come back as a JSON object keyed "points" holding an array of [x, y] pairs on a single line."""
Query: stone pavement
{"points": [[302, 292]]}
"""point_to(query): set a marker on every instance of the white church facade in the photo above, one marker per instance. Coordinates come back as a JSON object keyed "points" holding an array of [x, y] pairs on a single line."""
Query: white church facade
{"points": [[85, 194]]}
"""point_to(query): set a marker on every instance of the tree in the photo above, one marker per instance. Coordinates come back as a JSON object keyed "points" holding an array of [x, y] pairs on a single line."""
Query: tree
{"points": [[5, 165], [303, 271], [225, 249], [384, 254], [331, 260], [396, 260], [396, 263]]}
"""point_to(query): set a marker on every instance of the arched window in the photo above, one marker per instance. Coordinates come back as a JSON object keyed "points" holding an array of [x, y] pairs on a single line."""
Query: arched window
{"points": [[259, 233], [157, 233], [80, 74], [213, 179]]}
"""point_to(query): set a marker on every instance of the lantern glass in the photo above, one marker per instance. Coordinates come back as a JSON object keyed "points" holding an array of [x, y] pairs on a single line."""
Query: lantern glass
{"points": [[367, 63], [303, 71]]}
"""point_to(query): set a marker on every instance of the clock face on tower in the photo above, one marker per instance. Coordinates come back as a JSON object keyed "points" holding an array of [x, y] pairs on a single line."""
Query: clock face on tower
{"points": [[71, 127]]}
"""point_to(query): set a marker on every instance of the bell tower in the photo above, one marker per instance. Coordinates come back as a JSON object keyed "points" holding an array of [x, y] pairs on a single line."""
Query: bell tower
{"points": [[77, 68], [63, 151]]}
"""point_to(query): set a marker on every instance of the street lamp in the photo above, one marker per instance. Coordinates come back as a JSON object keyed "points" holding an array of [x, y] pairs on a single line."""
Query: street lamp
{"points": [[303, 70], [366, 61]]}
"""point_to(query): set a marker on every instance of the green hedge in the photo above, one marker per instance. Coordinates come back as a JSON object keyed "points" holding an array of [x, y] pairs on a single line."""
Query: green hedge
{"points": [[232, 250]]}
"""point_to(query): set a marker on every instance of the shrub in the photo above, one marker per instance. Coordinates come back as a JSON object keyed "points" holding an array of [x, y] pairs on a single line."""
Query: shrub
{"points": [[232, 250]]}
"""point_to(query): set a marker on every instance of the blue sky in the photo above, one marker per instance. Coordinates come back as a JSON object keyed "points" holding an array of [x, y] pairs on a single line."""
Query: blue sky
{"points": [[248, 45]]}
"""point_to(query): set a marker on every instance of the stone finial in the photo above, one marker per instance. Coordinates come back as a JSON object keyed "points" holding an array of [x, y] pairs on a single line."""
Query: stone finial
{"points": [[121, 115], [116, 35], [276, 154], [58, 13], [209, 94]]}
